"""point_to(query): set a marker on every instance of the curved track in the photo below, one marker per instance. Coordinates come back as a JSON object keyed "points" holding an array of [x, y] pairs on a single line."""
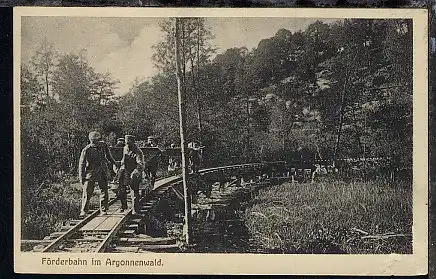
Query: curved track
{"points": [[95, 233]]}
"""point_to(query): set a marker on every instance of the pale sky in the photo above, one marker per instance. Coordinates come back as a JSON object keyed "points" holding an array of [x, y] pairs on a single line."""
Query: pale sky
{"points": [[122, 46]]}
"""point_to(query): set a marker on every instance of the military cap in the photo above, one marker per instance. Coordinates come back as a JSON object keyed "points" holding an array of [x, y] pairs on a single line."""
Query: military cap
{"points": [[94, 135], [132, 137], [150, 137], [120, 139]]}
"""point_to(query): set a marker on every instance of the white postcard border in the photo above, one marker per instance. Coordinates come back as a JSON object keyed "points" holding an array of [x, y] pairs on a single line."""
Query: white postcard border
{"points": [[178, 263]]}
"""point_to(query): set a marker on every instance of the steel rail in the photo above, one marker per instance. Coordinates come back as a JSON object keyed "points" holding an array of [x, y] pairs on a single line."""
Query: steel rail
{"points": [[53, 245], [112, 233], [170, 181]]}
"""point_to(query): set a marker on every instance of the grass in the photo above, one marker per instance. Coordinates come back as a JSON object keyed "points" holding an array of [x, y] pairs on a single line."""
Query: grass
{"points": [[333, 217], [46, 208]]}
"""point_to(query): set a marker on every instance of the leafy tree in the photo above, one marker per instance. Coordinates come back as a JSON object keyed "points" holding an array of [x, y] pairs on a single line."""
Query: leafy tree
{"points": [[31, 90], [340, 86], [103, 88], [196, 50], [44, 62]]}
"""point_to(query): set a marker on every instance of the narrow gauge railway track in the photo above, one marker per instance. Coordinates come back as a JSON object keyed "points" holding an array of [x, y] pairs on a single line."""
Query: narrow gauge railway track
{"points": [[95, 233], [69, 232]]}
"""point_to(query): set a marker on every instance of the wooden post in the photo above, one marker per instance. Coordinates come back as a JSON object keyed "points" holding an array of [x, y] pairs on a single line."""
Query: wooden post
{"points": [[182, 114]]}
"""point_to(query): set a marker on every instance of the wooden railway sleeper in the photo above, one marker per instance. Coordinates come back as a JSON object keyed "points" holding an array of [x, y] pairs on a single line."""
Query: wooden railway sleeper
{"points": [[138, 223]]}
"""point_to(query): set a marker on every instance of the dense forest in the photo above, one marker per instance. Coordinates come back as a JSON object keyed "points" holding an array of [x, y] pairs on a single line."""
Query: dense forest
{"points": [[338, 90]]}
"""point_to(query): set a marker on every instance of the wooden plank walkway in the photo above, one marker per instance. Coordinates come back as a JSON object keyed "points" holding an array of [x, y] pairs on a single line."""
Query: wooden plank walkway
{"points": [[102, 223], [105, 222]]}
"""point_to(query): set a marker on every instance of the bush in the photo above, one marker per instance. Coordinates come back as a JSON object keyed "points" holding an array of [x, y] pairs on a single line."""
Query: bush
{"points": [[47, 207]]}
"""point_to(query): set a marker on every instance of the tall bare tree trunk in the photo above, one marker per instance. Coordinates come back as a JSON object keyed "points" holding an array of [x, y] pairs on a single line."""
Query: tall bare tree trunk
{"points": [[284, 130], [182, 117], [247, 149], [358, 133], [183, 61], [199, 124], [47, 85], [197, 91], [100, 96], [341, 116]]}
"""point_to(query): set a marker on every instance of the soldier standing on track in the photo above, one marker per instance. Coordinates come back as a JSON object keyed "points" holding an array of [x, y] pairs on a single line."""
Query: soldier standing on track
{"points": [[110, 160], [92, 169], [131, 169], [173, 160], [151, 142], [194, 155], [152, 164], [120, 143]]}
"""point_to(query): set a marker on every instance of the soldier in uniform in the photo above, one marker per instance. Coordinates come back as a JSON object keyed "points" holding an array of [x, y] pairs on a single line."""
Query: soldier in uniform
{"points": [[93, 169], [120, 142], [153, 163], [110, 160], [131, 169], [194, 155], [151, 141], [173, 160]]}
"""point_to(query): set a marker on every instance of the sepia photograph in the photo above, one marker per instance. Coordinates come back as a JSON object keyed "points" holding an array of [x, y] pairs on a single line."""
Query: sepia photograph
{"points": [[201, 135]]}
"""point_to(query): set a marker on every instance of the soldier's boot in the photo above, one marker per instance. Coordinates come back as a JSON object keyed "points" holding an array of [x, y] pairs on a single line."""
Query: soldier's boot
{"points": [[136, 202], [135, 196]]}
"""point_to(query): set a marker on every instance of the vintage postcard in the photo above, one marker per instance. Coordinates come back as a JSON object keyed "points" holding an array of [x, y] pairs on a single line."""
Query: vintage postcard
{"points": [[220, 141]]}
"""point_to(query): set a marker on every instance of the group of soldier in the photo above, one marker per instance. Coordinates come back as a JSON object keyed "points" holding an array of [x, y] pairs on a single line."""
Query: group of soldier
{"points": [[96, 158]]}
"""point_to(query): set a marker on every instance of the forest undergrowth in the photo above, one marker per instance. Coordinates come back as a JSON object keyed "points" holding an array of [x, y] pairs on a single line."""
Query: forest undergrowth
{"points": [[47, 207]]}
